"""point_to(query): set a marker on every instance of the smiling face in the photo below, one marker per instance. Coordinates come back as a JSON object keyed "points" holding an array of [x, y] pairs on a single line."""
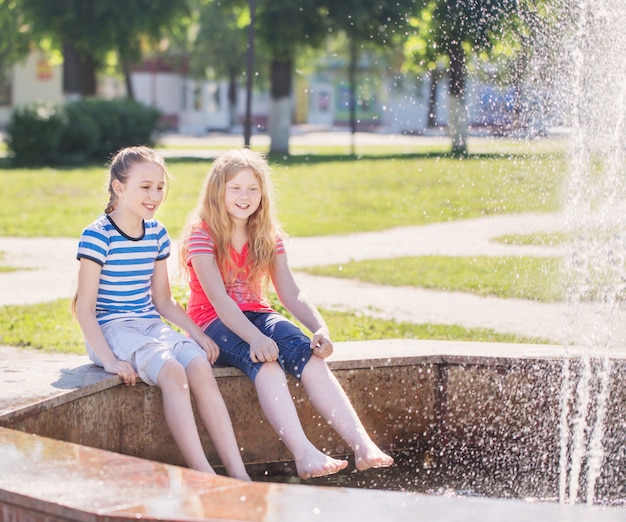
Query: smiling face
{"points": [[242, 196], [143, 192]]}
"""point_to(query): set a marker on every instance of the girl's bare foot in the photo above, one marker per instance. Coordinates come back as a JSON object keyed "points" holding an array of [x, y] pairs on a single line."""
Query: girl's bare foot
{"points": [[371, 456], [317, 464]]}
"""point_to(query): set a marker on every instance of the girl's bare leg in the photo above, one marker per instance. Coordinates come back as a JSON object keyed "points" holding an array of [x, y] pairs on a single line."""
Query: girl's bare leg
{"points": [[179, 415], [330, 400], [215, 417], [278, 406]]}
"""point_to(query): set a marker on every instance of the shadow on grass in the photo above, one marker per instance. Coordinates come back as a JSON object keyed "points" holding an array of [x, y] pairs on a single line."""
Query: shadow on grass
{"points": [[308, 158]]}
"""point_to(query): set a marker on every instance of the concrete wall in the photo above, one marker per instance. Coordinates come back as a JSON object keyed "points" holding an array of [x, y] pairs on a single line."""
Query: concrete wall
{"points": [[453, 406]]}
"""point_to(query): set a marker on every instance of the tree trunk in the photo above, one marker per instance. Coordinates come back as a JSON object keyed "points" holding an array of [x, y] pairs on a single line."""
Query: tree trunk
{"points": [[232, 98], [458, 113], [280, 108], [435, 77], [79, 73], [130, 92], [88, 83], [71, 72], [354, 56]]}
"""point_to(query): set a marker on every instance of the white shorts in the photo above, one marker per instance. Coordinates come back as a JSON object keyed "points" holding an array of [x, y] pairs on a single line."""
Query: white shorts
{"points": [[147, 344]]}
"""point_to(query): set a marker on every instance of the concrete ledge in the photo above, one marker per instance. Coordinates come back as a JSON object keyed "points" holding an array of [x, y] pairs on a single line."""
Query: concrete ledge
{"points": [[33, 379], [45, 480]]}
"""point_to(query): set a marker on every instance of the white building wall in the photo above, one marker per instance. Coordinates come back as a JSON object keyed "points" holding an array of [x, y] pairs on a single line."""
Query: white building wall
{"points": [[321, 104], [406, 109], [31, 81], [34, 79], [205, 107], [162, 90]]}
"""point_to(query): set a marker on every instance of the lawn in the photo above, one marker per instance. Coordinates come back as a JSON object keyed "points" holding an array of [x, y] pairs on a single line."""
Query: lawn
{"points": [[538, 279], [317, 194]]}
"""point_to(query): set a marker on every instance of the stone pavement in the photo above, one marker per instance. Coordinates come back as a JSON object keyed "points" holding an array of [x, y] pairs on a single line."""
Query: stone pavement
{"points": [[50, 273]]}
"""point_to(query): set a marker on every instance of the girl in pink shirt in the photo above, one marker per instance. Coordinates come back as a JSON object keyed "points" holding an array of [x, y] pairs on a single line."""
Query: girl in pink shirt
{"points": [[232, 247]]}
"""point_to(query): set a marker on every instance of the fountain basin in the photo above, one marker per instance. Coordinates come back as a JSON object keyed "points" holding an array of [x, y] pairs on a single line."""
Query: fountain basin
{"points": [[450, 400]]}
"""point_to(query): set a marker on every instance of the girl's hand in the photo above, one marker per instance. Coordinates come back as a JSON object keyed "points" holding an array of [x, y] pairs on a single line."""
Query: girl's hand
{"points": [[263, 349], [208, 345], [321, 344], [124, 369]]}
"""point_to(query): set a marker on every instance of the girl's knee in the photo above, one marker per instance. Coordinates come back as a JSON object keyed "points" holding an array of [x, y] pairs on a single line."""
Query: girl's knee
{"points": [[271, 368], [315, 368], [270, 371], [200, 370], [172, 373], [317, 364]]}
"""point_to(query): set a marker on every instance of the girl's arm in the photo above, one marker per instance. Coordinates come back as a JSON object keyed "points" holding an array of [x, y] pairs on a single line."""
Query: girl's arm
{"points": [[88, 279], [301, 306], [171, 310], [262, 348]]}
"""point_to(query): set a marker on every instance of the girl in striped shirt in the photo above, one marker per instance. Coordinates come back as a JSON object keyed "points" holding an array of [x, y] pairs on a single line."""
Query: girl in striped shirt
{"points": [[231, 247], [123, 291]]}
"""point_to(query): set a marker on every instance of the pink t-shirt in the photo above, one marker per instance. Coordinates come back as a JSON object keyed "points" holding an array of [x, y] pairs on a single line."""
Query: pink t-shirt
{"points": [[248, 299]]}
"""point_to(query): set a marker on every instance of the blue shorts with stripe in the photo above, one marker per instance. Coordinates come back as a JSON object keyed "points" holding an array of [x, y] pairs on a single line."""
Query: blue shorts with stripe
{"points": [[294, 347]]}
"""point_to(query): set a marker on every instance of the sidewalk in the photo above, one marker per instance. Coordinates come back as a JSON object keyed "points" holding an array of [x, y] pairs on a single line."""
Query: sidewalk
{"points": [[51, 274]]}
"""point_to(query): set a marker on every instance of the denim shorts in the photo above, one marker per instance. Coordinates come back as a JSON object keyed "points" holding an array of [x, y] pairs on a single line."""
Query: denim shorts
{"points": [[147, 344], [294, 347]]}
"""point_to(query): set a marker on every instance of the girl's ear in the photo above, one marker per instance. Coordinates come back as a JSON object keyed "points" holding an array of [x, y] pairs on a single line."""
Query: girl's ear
{"points": [[117, 186]]}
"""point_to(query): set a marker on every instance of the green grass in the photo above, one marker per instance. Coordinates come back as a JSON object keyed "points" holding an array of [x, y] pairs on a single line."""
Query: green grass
{"points": [[545, 239], [46, 326], [51, 328], [319, 192], [330, 197], [316, 195], [3, 267], [538, 279]]}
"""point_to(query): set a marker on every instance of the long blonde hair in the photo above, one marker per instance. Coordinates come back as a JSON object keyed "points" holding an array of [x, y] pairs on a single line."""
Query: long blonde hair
{"points": [[263, 227]]}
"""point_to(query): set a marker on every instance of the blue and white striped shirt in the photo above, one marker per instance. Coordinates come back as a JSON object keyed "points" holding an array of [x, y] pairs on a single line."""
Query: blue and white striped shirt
{"points": [[127, 267]]}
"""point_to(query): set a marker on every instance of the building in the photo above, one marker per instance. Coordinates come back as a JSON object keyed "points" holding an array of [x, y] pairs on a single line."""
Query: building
{"points": [[322, 99]]}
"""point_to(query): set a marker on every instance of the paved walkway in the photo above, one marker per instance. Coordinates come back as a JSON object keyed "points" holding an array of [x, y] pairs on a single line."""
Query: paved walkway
{"points": [[51, 274]]}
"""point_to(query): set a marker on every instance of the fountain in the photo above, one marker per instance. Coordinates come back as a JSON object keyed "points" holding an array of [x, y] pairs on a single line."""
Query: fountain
{"points": [[594, 48], [540, 423]]}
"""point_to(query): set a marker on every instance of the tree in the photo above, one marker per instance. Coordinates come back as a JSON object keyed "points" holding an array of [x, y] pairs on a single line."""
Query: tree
{"points": [[283, 28], [87, 31], [372, 24], [219, 48], [454, 30], [16, 37], [14, 44]]}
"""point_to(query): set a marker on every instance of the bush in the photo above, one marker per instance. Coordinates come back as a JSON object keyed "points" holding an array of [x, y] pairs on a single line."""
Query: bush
{"points": [[80, 135], [34, 132], [80, 131], [122, 123]]}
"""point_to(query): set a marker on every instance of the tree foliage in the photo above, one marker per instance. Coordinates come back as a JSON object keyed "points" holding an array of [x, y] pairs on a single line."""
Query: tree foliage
{"points": [[284, 28], [368, 23], [453, 31], [219, 48], [14, 44], [92, 29]]}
